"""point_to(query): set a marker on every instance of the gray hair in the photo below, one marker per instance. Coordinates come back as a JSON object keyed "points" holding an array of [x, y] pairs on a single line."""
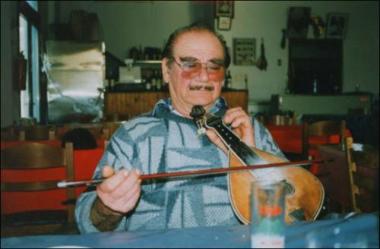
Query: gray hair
{"points": [[168, 48]]}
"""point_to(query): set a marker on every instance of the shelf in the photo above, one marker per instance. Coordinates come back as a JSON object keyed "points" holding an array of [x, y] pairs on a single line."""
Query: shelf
{"points": [[147, 62]]}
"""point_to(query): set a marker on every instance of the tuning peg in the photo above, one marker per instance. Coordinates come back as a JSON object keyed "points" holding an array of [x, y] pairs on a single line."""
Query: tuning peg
{"points": [[197, 112]]}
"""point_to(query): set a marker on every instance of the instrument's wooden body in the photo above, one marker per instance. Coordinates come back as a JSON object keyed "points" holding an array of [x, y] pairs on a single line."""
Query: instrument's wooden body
{"points": [[306, 198], [304, 191]]}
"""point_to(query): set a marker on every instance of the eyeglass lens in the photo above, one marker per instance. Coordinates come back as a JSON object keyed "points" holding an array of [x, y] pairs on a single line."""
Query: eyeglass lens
{"points": [[193, 68]]}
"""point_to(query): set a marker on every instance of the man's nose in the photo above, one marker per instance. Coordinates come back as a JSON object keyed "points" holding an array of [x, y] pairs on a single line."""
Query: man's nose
{"points": [[203, 74]]}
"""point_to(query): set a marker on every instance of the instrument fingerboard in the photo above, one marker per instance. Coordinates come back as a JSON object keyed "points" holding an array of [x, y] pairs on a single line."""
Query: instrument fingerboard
{"points": [[232, 141]]}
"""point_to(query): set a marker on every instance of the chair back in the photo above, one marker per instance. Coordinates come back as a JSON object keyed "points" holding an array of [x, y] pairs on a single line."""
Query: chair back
{"points": [[351, 178], [29, 133], [81, 138], [37, 132], [9, 133], [363, 168], [323, 129], [29, 170], [351, 166]]}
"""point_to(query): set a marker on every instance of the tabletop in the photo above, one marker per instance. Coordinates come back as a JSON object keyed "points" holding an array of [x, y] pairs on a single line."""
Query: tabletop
{"points": [[352, 230]]}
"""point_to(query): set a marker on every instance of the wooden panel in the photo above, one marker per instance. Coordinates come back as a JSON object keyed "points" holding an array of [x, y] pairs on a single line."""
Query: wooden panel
{"points": [[236, 98], [32, 155], [130, 104]]}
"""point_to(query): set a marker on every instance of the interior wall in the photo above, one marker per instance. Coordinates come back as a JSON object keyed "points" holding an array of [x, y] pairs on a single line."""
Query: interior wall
{"points": [[148, 23], [266, 19], [126, 24]]}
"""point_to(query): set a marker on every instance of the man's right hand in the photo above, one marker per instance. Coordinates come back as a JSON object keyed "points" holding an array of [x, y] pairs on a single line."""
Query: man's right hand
{"points": [[121, 191]]}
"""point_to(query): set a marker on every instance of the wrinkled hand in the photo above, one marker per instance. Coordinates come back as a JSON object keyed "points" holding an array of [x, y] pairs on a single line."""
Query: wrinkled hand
{"points": [[241, 125], [121, 191]]}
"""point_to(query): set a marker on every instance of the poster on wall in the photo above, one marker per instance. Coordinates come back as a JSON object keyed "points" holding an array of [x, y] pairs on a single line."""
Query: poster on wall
{"points": [[224, 8], [244, 51], [336, 25], [224, 23]]}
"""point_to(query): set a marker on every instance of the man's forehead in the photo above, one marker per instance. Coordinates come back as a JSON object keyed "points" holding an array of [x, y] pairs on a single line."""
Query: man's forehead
{"points": [[198, 40]]}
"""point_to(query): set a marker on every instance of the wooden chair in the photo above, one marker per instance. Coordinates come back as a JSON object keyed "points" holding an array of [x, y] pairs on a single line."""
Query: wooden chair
{"points": [[350, 177], [96, 129], [9, 133], [37, 132], [321, 132], [351, 166], [333, 174], [363, 170], [322, 129], [31, 165], [28, 133]]}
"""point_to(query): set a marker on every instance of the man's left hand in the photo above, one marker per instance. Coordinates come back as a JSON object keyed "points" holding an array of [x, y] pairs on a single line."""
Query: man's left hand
{"points": [[241, 124]]}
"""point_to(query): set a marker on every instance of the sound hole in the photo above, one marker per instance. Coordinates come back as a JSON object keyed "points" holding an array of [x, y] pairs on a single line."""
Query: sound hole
{"points": [[289, 189]]}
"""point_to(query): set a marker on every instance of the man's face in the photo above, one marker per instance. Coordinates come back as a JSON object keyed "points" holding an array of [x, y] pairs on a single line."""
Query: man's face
{"points": [[192, 83]]}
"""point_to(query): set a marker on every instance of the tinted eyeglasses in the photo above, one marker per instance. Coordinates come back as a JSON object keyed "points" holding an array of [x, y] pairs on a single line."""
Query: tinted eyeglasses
{"points": [[192, 68]]}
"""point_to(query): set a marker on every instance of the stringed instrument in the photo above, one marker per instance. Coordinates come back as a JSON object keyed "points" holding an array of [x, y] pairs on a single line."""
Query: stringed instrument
{"points": [[304, 191]]}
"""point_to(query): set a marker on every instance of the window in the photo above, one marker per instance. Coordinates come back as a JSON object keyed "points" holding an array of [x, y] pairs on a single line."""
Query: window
{"points": [[315, 66], [29, 47]]}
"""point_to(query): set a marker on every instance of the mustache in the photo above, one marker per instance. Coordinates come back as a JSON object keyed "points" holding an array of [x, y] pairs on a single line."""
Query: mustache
{"points": [[202, 87]]}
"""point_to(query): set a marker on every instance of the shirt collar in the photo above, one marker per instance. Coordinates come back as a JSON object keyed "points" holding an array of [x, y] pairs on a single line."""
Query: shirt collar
{"points": [[165, 106]]}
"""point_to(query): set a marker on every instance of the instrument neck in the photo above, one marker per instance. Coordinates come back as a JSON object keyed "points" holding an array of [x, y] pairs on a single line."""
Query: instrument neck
{"points": [[238, 147]]}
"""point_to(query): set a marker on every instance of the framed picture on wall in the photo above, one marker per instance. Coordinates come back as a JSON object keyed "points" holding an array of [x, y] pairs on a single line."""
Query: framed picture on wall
{"points": [[224, 23], [336, 25], [224, 8], [244, 51]]}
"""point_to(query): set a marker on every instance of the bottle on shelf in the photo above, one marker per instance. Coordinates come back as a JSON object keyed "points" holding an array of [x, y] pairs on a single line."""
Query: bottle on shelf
{"points": [[153, 81], [315, 85], [148, 85], [111, 84], [158, 79], [228, 80]]}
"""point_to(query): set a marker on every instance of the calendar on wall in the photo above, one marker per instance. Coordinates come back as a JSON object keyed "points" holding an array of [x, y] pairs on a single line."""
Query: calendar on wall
{"points": [[244, 51]]}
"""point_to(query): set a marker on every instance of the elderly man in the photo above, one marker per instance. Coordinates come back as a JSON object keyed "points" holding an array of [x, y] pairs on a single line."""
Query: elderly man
{"points": [[194, 63]]}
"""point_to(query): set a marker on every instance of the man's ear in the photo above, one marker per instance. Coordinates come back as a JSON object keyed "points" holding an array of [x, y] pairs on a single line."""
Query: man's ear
{"points": [[165, 69]]}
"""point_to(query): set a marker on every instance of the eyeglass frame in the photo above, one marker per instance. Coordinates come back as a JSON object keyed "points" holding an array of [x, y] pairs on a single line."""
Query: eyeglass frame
{"points": [[220, 63]]}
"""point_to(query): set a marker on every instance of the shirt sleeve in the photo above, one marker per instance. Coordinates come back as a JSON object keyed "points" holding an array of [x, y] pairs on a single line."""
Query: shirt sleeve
{"points": [[117, 156], [264, 140]]}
